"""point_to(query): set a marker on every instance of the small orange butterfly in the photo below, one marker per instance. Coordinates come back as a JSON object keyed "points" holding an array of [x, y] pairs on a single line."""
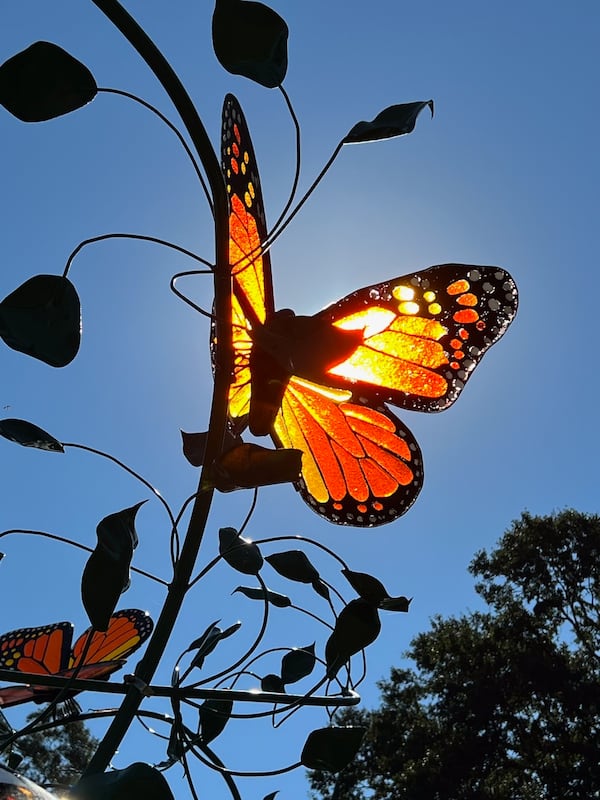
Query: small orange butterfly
{"points": [[46, 650], [321, 384]]}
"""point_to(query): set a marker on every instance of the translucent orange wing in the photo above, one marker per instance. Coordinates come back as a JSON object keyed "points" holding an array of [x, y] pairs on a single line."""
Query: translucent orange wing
{"points": [[252, 301], [47, 650], [360, 466], [127, 630], [42, 650], [423, 333]]}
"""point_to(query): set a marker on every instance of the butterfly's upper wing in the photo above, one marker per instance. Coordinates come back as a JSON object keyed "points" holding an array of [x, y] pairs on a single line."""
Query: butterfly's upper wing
{"points": [[41, 650], [252, 300], [127, 630], [423, 333]]}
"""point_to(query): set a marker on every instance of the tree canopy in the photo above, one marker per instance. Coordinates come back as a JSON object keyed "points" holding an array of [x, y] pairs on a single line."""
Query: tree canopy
{"points": [[503, 703]]}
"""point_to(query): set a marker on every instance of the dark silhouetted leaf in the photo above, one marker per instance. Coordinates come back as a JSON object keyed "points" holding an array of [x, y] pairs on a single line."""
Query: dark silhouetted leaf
{"points": [[271, 796], [214, 715], [106, 573], [209, 640], [272, 683], [368, 587], [194, 445], [331, 749], [395, 604], [29, 435], [392, 121], [279, 600], [293, 564], [298, 664], [137, 780], [42, 318], [239, 553], [43, 82], [321, 588], [249, 466], [356, 627], [250, 39]]}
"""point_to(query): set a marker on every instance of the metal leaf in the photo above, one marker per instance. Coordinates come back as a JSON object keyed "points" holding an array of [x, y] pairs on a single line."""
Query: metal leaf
{"points": [[396, 604], [214, 715], [392, 121], [42, 318], [29, 435], [271, 795], [298, 663], [106, 573], [250, 39], [295, 565], [279, 600], [137, 780], [194, 445], [368, 587], [209, 640], [331, 749], [241, 554], [356, 627], [272, 683], [249, 466]]}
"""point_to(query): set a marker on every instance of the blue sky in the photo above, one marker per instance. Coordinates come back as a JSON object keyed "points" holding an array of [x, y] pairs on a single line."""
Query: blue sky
{"points": [[506, 173]]}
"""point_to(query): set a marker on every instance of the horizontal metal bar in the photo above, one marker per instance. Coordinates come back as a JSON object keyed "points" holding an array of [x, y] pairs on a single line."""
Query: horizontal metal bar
{"points": [[349, 698]]}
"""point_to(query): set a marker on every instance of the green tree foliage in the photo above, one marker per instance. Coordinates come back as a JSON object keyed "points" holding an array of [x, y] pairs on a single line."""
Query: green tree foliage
{"points": [[502, 704], [58, 755]]}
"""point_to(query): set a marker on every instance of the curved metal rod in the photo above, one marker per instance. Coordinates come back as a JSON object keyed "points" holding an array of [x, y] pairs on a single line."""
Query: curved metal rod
{"points": [[146, 668]]}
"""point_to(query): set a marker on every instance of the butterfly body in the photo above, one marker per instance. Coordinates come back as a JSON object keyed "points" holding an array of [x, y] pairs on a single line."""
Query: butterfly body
{"points": [[322, 383], [46, 650]]}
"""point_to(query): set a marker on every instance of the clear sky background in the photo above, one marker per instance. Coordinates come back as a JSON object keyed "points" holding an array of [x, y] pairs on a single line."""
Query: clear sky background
{"points": [[506, 173]]}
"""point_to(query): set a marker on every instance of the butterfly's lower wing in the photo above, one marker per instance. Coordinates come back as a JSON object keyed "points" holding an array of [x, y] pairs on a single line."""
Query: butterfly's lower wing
{"points": [[127, 630], [360, 466], [423, 333]]}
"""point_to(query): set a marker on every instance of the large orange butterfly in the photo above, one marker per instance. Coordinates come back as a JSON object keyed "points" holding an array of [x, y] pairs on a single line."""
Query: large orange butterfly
{"points": [[321, 384], [46, 650]]}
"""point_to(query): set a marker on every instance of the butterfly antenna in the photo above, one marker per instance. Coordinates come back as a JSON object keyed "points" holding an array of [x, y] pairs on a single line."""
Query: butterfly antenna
{"points": [[184, 297], [177, 133]]}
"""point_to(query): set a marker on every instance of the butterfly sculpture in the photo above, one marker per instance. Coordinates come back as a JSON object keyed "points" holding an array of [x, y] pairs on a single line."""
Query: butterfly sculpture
{"points": [[322, 384], [46, 650]]}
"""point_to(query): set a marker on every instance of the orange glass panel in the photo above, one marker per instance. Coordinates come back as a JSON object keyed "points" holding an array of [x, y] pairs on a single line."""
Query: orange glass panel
{"points": [[408, 348], [368, 415], [384, 439], [372, 320], [381, 369], [381, 483], [398, 470], [467, 300], [419, 326], [355, 479], [330, 418], [244, 256], [458, 287], [466, 316]]}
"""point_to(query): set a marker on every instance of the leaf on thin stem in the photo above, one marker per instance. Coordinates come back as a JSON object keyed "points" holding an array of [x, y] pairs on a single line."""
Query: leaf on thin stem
{"points": [[250, 39], [42, 318], [43, 82], [29, 435], [392, 121]]}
